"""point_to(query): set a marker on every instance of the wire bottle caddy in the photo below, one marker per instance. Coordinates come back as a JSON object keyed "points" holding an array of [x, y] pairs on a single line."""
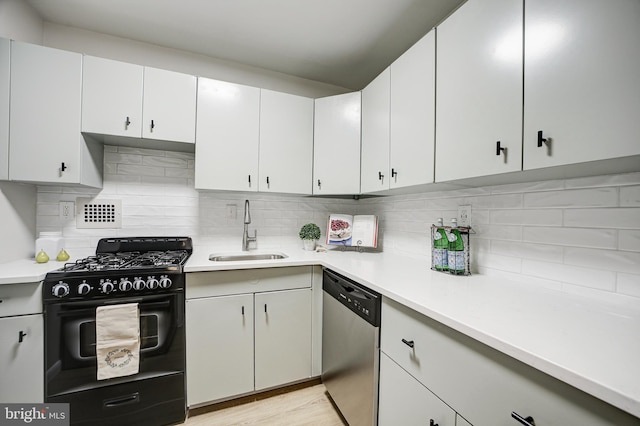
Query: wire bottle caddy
{"points": [[450, 248]]}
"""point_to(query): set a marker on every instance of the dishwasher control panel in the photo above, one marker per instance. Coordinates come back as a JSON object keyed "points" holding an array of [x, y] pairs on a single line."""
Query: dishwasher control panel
{"points": [[359, 299]]}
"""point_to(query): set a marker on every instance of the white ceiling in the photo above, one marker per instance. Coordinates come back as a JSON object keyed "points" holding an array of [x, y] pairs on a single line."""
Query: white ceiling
{"points": [[341, 42]]}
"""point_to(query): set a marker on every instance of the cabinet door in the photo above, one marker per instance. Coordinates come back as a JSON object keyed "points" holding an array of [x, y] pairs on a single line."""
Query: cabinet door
{"points": [[46, 94], [375, 134], [405, 401], [5, 72], [479, 86], [286, 143], [336, 145], [227, 132], [219, 347], [412, 112], [169, 106], [111, 97], [283, 337], [22, 359], [581, 81]]}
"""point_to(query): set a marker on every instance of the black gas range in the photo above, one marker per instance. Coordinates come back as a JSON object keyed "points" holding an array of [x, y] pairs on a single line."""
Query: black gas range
{"points": [[146, 272], [122, 267]]}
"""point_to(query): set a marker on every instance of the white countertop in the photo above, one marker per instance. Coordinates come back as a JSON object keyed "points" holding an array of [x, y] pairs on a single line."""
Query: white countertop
{"points": [[590, 343]]}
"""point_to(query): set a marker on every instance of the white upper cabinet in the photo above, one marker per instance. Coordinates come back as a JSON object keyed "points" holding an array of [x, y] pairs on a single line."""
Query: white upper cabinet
{"points": [[227, 134], [581, 84], [5, 72], [111, 97], [375, 134], [479, 87], [169, 106], [286, 143], [336, 145], [45, 140], [412, 110], [122, 99]]}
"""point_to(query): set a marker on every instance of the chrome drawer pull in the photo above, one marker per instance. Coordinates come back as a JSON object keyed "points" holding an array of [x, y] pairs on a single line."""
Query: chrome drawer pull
{"points": [[527, 421]]}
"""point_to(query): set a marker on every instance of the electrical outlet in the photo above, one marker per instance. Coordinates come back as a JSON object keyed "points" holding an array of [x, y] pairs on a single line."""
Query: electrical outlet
{"points": [[67, 210], [232, 212], [464, 215]]}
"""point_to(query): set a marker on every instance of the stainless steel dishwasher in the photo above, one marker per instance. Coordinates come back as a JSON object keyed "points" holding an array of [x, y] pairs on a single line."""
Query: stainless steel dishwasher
{"points": [[350, 347]]}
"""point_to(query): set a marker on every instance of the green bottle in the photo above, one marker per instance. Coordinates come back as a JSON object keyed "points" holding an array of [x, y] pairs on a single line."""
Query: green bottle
{"points": [[457, 264], [440, 247]]}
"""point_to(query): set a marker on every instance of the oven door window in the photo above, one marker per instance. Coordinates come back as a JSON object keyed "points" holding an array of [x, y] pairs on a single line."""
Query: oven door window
{"points": [[84, 346]]}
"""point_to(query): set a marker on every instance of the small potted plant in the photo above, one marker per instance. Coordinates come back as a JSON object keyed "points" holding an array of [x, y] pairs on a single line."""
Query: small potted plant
{"points": [[309, 234]]}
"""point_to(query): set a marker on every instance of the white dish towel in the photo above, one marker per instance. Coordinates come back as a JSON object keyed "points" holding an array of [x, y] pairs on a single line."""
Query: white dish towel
{"points": [[118, 340]]}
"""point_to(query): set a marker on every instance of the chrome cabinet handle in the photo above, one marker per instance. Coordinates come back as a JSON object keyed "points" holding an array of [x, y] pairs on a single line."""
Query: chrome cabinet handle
{"points": [[408, 342], [500, 149], [432, 423], [394, 173], [153, 125], [21, 336], [380, 176], [63, 167], [127, 122], [527, 421], [319, 184]]}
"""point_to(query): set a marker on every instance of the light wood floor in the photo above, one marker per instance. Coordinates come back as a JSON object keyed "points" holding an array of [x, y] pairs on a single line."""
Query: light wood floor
{"points": [[307, 406]]}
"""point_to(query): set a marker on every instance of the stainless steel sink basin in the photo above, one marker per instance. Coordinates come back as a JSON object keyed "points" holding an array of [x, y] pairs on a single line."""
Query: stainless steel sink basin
{"points": [[238, 257]]}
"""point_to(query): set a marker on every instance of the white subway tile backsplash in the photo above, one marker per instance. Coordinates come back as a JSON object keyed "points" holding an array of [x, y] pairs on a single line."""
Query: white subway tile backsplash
{"points": [[138, 170], [629, 240], [575, 234], [630, 196], [611, 260], [155, 161], [548, 217], [587, 277], [617, 218], [573, 198], [574, 237], [544, 252]]}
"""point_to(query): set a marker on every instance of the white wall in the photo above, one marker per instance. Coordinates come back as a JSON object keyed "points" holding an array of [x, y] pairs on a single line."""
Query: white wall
{"points": [[18, 21], [126, 50]]}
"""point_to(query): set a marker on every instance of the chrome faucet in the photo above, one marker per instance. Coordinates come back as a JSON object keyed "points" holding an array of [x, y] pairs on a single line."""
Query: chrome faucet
{"points": [[246, 239]]}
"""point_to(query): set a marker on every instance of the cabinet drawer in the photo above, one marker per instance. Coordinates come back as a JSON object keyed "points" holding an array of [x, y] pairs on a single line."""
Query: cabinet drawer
{"points": [[482, 384], [221, 283], [405, 401], [20, 299]]}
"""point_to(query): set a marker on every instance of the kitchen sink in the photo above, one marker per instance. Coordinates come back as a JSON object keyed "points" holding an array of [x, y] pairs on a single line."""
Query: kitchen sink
{"points": [[238, 257]]}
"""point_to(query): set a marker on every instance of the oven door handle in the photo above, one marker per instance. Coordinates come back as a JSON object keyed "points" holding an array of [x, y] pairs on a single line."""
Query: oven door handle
{"points": [[121, 400]]}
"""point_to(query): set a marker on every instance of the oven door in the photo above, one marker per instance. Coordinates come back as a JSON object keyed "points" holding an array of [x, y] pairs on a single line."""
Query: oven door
{"points": [[70, 342]]}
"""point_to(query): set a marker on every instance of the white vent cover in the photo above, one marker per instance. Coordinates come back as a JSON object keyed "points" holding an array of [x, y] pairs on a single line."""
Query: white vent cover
{"points": [[98, 214]]}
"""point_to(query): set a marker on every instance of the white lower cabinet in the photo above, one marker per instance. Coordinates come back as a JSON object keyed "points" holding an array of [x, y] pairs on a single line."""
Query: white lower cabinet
{"points": [[482, 385], [21, 344], [282, 337], [219, 347], [247, 331], [405, 401]]}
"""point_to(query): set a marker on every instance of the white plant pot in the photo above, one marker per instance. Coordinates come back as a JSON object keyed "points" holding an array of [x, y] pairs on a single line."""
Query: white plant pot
{"points": [[309, 245]]}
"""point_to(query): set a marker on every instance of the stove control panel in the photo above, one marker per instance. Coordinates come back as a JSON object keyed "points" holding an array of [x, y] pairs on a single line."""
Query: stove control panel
{"points": [[93, 287]]}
